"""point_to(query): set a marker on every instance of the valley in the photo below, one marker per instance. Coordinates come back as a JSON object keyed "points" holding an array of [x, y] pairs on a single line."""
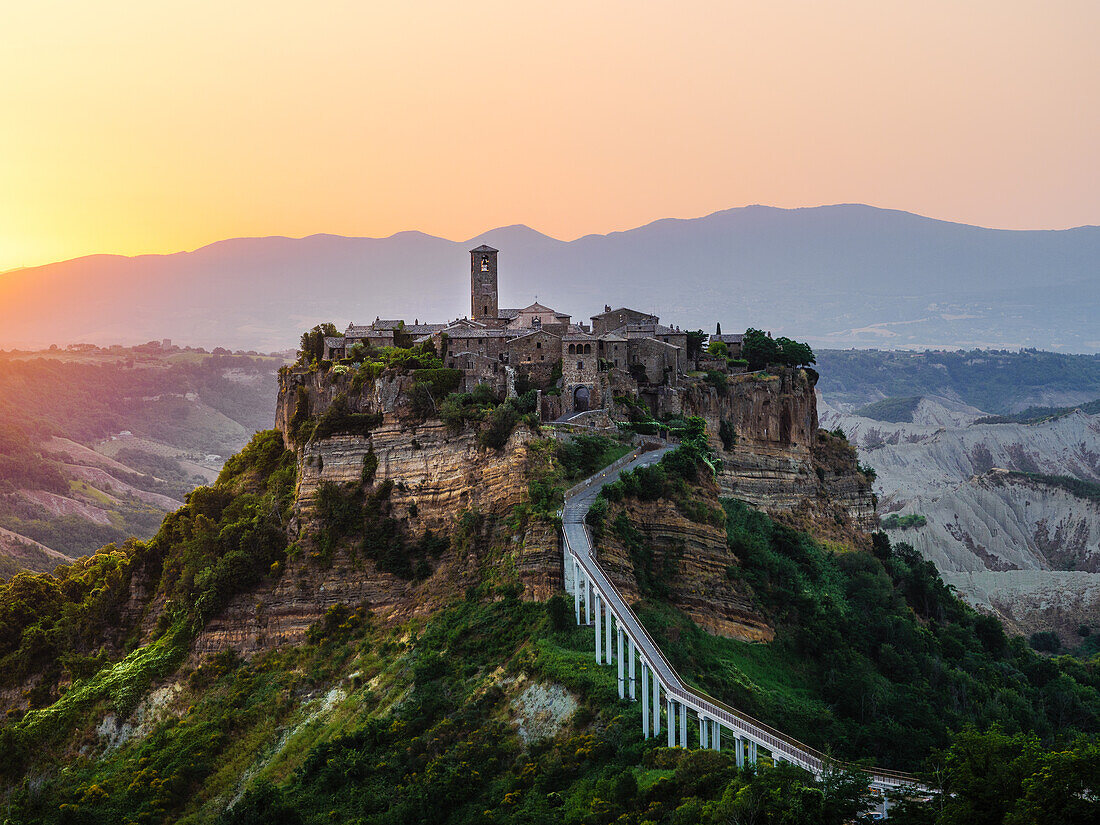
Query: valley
{"points": [[98, 444]]}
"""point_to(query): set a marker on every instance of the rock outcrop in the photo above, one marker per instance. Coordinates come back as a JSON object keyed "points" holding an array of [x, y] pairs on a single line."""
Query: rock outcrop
{"points": [[774, 456], [651, 548]]}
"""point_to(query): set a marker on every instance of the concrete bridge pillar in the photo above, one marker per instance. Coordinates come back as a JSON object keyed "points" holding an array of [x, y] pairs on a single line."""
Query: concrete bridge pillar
{"points": [[683, 725], [599, 627], [716, 726], [608, 638], [702, 731], [619, 660], [576, 588], [645, 701], [656, 704], [739, 751], [671, 718], [633, 654], [754, 752]]}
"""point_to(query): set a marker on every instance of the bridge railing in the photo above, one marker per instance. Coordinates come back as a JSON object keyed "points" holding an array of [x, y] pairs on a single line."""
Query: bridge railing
{"points": [[779, 742]]}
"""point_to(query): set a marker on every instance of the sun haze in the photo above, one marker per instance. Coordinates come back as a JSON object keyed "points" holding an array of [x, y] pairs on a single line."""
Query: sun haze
{"points": [[134, 127]]}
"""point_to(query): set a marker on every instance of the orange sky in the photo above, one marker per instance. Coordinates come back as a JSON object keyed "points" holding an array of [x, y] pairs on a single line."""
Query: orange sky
{"points": [[156, 126]]}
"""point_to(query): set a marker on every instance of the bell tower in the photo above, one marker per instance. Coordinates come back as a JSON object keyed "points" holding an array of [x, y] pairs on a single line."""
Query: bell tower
{"points": [[483, 284]]}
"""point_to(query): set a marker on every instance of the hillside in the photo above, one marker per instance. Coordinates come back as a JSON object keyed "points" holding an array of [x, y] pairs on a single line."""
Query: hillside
{"points": [[337, 632], [838, 275], [997, 522], [97, 445], [997, 382]]}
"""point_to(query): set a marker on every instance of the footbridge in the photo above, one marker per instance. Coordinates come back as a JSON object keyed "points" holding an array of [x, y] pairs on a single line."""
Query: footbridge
{"points": [[644, 673]]}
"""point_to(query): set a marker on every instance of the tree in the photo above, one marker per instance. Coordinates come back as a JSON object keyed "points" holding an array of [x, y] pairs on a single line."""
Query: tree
{"points": [[758, 349], [695, 339], [719, 348], [795, 353], [312, 347]]}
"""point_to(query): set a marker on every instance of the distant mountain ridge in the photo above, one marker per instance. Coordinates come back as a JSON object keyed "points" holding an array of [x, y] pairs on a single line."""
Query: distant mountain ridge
{"points": [[838, 276]]}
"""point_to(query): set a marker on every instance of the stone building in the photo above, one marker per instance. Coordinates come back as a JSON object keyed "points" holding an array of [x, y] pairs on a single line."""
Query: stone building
{"points": [[483, 284], [732, 342], [624, 348], [613, 319], [580, 372], [535, 353]]}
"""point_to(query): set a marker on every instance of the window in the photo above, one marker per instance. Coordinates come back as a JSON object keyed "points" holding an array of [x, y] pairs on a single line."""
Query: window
{"points": [[572, 349], [580, 366], [484, 263], [587, 349], [538, 345], [485, 310]]}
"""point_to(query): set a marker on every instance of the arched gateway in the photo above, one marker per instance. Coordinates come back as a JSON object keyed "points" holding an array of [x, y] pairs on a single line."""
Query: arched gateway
{"points": [[580, 399]]}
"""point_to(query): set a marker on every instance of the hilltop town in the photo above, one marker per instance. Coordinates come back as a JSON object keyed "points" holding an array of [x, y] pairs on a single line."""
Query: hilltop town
{"points": [[575, 368]]}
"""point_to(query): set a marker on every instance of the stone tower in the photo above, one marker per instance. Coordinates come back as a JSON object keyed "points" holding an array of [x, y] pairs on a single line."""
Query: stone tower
{"points": [[483, 284]]}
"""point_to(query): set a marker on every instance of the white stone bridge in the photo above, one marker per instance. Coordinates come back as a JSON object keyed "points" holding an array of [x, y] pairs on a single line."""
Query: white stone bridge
{"points": [[645, 675]]}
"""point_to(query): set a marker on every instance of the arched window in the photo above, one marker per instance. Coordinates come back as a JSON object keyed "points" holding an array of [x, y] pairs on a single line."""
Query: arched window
{"points": [[572, 349], [484, 263], [580, 366], [587, 349]]}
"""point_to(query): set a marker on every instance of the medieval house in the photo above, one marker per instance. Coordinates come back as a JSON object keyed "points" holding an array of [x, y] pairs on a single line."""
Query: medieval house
{"points": [[622, 347]]}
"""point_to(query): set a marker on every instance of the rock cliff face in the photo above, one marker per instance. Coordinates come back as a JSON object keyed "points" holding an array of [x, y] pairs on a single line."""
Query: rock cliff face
{"points": [[651, 545], [777, 459], [445, 482], [441, 481]]}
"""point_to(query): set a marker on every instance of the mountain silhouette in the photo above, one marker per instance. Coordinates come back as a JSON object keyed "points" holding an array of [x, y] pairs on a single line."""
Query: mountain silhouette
{"points": [[838, 276]]}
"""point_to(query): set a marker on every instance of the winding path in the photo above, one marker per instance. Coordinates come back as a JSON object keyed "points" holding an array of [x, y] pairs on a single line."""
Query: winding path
{"points": [[600, 604]]}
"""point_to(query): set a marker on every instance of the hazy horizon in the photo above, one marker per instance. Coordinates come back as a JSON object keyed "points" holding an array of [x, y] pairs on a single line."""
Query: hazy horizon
{"points": [[146, 128]]}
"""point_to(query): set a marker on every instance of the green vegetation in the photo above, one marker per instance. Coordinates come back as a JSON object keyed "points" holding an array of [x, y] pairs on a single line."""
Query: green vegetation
{"points": [[24, 467], [418, 729], [1088, 490], [415, 720], [348, 512], [312, 346], [990, 380], [996, 778], [1037, 415], [874, 655], [761, 351], [73, 627], [895, 521], [893, 410]]}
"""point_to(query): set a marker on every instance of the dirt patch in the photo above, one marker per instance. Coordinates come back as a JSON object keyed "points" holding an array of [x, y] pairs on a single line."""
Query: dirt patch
{"points": [[542, 710]]}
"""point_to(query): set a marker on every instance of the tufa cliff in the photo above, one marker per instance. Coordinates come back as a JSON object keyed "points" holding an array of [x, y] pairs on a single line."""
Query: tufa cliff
{"points": [[764, 426]]}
